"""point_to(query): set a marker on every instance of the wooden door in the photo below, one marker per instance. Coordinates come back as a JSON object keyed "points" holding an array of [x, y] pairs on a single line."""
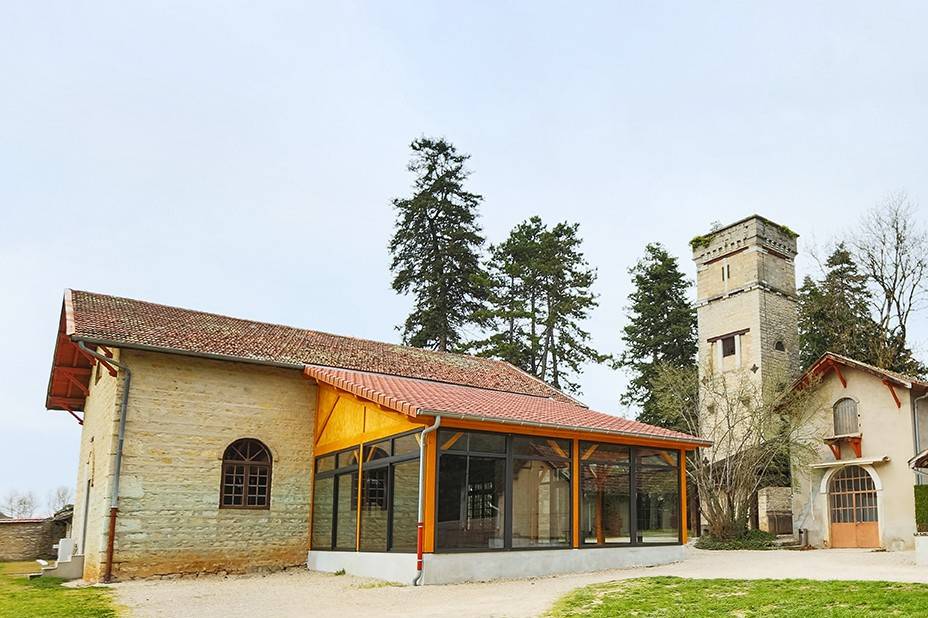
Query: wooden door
{"points": [[853, 509]]}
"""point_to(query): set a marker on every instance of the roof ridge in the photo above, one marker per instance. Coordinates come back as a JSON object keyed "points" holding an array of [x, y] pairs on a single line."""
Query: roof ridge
{"points": [[313, 330]]}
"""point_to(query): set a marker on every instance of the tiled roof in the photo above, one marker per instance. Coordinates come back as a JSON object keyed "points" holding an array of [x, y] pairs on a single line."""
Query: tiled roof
{"points": [[123, 322], [423, 397], [902, 379]]}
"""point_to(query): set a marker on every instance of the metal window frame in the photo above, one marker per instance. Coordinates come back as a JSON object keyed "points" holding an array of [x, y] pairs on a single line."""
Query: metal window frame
{"points": [[633, 477], [509, 457], [361, 467]]}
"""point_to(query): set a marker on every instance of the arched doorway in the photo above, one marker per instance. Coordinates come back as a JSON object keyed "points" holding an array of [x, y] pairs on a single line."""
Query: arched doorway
{"points": [[852, 501]]}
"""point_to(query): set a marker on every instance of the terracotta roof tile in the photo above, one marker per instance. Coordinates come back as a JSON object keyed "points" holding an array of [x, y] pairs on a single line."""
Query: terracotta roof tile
{"points": [[99, 318], [415, 396]]}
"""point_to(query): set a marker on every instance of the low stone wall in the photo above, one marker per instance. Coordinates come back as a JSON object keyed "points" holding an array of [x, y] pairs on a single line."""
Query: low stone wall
{"points": [[28, 539]]}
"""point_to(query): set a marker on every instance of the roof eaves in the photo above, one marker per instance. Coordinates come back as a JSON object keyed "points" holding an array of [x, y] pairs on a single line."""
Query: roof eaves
{"points": [[521, 422], [323, 374], [181, 352]]}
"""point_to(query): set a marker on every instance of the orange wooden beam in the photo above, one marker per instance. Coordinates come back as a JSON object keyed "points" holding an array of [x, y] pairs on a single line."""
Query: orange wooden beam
{"points": [[839, 374], [683, 496], [892, 390], [575, 492]]}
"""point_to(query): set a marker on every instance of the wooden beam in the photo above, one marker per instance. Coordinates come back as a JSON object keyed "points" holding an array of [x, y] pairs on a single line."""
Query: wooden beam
{"points": [[835, 450], [683, 522], [325, 421], [575, 492], [892, 390], [67, 403], [80, 385], [839, 374]]}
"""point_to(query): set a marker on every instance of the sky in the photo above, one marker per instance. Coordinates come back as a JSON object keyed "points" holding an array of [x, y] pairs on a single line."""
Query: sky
{"points": [[241, 157]]}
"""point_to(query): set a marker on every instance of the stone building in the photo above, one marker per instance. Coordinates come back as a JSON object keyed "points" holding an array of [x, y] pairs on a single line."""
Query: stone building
{"points": [[863, 423], [213, 444], [746, 310], [856, 490]]}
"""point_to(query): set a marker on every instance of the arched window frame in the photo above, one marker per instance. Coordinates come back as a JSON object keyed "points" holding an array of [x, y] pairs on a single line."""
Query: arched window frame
{"points": [[246, 469], [844, 417]]}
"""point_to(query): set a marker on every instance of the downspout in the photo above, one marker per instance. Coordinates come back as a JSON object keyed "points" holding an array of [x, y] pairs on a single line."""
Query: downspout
{"points": [[420, 526], [114, 492]]}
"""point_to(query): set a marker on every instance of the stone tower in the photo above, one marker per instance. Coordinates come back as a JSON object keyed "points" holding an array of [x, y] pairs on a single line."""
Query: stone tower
{"points": [[746, 300]]}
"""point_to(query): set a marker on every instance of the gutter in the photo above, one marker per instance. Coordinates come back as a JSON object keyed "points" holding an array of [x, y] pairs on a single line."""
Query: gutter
{"points": [[420, 526], [223, 357], [114, 491], [503, 421]]}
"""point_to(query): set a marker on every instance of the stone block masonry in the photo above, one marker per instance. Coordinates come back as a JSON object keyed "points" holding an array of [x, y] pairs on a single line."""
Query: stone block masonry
{"points": [[28, 539], [183, 412]]}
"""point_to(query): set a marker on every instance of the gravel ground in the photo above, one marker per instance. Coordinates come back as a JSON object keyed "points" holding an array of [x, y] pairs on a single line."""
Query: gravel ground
{"points": [[298, 592]]}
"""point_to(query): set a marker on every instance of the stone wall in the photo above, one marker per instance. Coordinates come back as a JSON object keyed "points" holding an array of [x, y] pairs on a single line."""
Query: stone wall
{"points": [[183, 413], [95, 469], [28, 539]]}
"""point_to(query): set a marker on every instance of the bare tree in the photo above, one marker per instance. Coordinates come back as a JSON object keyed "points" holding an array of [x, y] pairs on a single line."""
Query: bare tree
{"points": [[755, 437], [58, 499], [18, 505], [891, 249]]}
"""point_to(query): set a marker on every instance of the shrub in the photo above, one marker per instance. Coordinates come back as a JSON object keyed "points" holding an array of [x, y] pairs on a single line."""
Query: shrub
{"points": [[921, 508], [751, 539]]}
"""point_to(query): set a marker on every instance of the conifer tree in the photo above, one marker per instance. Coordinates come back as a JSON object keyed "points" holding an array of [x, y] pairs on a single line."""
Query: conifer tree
{"points": [[436, 248], [834, 314], [661, 330], [542, 294]]}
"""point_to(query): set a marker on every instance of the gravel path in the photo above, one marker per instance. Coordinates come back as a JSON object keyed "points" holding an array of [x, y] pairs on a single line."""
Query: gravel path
{"points": [[298, 592]]}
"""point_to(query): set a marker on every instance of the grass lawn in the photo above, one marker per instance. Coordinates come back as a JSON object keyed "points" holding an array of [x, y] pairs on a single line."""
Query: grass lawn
{"points": [[675, 596], [24, 598]]}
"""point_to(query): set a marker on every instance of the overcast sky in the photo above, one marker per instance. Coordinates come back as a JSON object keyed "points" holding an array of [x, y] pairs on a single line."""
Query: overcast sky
{"points": [[241, 157]]}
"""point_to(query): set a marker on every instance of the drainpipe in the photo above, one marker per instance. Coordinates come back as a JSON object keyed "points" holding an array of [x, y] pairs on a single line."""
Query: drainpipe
{"points": [[420, 526], [114, 492]]}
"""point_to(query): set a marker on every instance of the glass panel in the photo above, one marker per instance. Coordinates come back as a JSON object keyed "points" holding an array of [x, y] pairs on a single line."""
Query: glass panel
{"points": [[322, 513], [540, 447], [657, 457], [658, 503], [405, 505], [605, 503], [379, 450], [325, 464], [604, 453], [406, 445], [540, 503], [233, 485], [258, 477], [374, 509], [347, 512], [488, 443], [348, 458], [452, 440], [471, 502]]}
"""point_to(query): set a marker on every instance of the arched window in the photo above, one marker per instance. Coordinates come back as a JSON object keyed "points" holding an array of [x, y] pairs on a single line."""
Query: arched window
{"points": [[845, 411], [246, 476]]}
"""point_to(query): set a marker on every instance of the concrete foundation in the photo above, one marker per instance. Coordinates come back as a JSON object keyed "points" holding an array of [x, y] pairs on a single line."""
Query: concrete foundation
{"points": [[483, 566]]}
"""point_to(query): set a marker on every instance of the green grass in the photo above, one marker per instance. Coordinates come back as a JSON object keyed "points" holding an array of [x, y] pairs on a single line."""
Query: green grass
{"points": [[799, 598], [24, 598]]}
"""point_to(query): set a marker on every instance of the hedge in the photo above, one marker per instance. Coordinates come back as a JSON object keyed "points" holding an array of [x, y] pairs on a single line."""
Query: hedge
{"points": [[921, 507]]}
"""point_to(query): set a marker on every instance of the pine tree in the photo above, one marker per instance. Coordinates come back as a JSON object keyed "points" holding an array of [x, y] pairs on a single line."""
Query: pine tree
{"points": [[542, 293], [661, 330], [436, 248], [834, 316], [834, 313]]}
